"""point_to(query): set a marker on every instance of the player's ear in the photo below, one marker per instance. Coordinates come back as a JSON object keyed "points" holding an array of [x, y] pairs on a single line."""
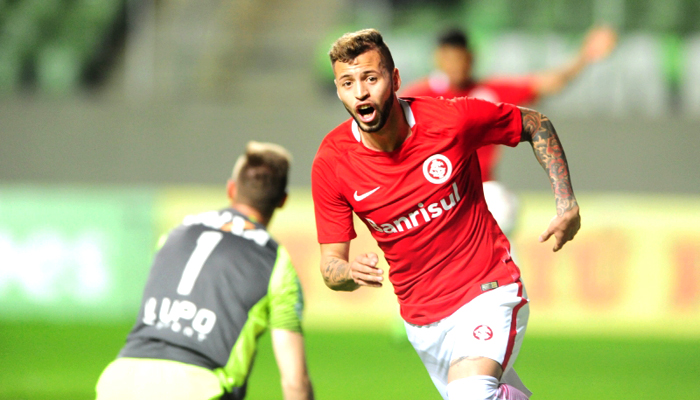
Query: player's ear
{"points": [[396, 78], [335, 82], [231, 189], [284, 200]]}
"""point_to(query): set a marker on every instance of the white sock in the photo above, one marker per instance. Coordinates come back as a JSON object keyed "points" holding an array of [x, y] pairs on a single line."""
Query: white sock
{"points": [[477, 387], [482, 387]]}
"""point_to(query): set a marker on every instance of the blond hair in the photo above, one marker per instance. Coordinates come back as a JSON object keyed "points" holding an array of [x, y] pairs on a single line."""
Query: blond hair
{"points": [[261, 176]]}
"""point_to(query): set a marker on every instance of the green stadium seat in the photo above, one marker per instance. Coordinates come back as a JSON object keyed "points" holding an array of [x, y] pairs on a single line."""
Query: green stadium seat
{"points": [[657, 16], [58, 68], [10, 72], [690, 84], [61, 62], [19, 35], [40, 11]]}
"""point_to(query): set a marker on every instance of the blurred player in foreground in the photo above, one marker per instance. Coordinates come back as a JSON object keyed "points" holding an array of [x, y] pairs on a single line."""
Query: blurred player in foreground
{"points": [[215, 286], [408, 169], [454, 78]]}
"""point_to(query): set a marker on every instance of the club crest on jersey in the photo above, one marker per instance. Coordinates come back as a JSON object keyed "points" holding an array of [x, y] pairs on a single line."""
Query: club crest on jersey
{"points": [[437, 169]]}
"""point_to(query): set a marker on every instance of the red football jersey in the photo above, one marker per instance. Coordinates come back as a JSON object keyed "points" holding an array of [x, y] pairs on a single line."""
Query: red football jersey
{"points": [[515, 91], [423, 202]]}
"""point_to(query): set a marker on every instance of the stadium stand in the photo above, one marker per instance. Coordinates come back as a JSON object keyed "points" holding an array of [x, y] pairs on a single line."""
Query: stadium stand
{"points": [[53, 43]]}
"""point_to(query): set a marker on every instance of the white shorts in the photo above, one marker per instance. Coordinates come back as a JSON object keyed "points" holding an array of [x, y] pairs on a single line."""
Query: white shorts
{"points": [[147, 379], [492, 325]]}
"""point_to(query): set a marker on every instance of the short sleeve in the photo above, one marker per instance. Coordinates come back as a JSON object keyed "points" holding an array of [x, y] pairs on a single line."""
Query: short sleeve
{"points": [[333, 213], [491, 123], [286, 298]]}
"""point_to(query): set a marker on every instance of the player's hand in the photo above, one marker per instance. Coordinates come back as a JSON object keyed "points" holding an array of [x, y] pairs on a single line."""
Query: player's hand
{"points": [[364, 271], [598, 44], [563, 227]]}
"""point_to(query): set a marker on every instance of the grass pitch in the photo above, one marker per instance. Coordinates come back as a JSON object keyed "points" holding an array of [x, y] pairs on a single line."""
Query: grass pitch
{"points": [[51, 362]]}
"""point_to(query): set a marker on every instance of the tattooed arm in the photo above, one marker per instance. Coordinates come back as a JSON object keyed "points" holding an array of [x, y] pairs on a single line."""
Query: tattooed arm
{"points": [[539, 131], [340, 274]]}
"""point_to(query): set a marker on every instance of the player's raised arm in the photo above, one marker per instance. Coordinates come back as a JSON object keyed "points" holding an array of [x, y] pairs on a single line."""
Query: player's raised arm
{"points": [[598, 44], [539, 131], [341, 274]]}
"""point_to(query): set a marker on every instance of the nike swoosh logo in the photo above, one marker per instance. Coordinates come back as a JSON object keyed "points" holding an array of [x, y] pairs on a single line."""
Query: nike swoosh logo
{"points": [[365, 195]]}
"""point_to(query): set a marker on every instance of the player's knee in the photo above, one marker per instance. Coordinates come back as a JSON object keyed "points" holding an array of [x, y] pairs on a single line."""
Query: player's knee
{"points": [[477, 387]]}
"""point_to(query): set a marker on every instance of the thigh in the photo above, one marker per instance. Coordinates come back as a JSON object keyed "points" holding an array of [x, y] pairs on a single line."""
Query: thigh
{"points": [[435, 353], [142, 379], [492, 325]]}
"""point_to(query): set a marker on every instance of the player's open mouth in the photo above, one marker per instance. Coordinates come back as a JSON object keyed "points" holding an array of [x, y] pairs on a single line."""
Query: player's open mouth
{"points": [[366, 112]]}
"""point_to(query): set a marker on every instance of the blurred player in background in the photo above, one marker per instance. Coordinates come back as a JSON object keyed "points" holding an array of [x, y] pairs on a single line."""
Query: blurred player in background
{"points": [[215, 286], [454, 78], [408, 169]]}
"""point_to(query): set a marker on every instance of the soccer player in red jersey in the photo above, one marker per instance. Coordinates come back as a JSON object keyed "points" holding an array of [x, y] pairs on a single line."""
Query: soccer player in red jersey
{"points": [[454, 78], [408, 168]]}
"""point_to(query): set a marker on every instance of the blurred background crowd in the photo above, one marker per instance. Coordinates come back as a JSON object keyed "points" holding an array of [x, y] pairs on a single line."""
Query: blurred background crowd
{"points": [[131, 89]]}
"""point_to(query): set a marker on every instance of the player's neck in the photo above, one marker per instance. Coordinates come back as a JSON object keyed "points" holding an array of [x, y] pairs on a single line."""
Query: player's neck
{"points": [[392, 135], [252, 213], [461, 86]]}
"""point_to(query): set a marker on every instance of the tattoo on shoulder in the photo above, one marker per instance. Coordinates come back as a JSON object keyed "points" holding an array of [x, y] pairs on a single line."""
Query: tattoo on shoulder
{"points": [[532, 121]]}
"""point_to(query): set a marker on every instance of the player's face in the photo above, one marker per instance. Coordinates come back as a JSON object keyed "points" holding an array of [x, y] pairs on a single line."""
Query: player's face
{"points": [[366, 89], [456, 63]]}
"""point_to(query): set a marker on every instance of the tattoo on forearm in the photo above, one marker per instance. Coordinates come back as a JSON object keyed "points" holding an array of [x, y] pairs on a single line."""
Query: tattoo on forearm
{"points": [[539, 131], [334, 270], [335, 274]]}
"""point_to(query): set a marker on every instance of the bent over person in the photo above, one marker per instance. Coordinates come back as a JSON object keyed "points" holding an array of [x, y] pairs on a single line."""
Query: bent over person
{"points": [[408, 168], [215, 286]]}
